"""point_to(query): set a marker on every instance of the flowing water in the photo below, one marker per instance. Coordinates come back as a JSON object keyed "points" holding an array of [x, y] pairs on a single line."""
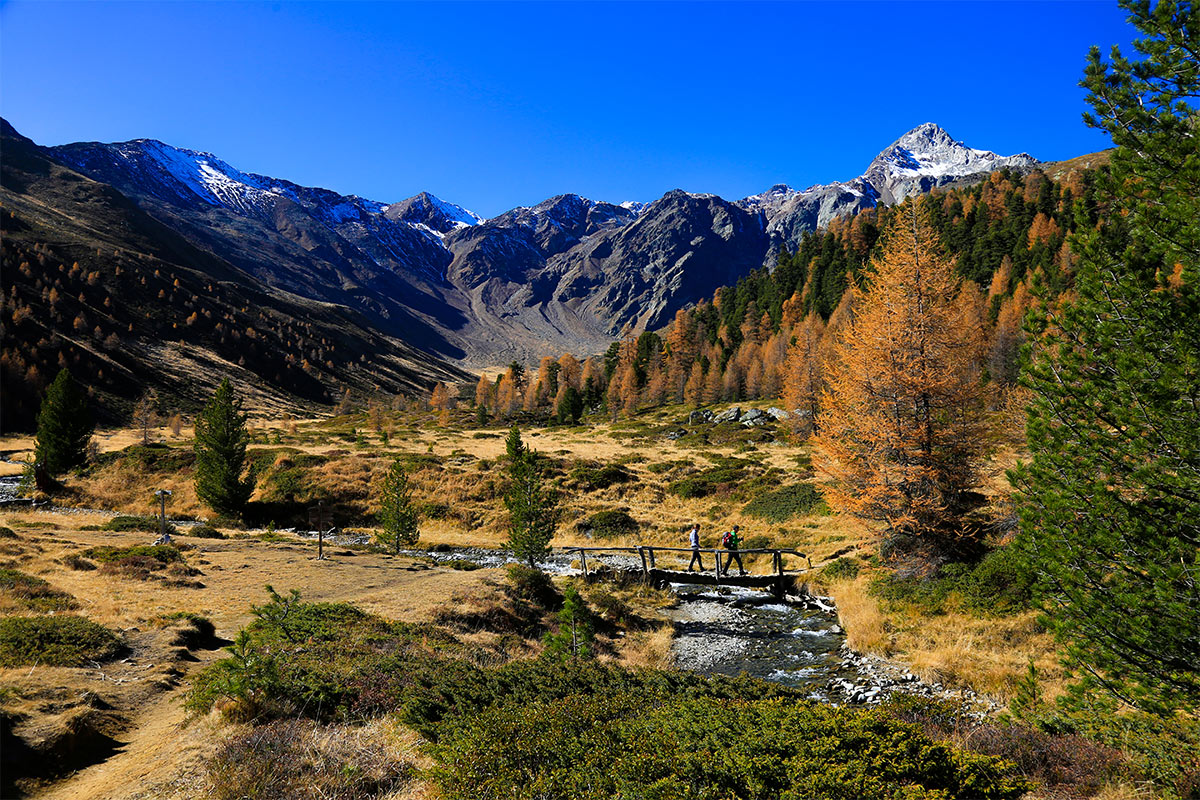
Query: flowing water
{"points": [[730, 630], [726, 630]]}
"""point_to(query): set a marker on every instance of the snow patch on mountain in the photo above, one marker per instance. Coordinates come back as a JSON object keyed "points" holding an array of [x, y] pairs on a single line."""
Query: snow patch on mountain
{"points": [[922, 159]]}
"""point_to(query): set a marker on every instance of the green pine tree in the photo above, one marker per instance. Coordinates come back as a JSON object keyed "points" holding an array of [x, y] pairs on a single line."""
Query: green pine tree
{"points": [[532, 505], [64, 426], [570, 407], [574, 636], [397, 513], [1110, 503], [221, 440], [513, 446]]}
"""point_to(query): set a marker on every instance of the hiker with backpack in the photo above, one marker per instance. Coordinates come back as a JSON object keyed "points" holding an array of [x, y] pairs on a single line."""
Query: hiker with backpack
{"points": [[731, 541], [694, 543]]}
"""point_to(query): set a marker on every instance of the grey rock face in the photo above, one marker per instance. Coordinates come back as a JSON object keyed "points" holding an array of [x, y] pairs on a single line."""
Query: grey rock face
{"points": [[754, 417], [568, 274], [777, 414], [922, 159], [728, 415]]}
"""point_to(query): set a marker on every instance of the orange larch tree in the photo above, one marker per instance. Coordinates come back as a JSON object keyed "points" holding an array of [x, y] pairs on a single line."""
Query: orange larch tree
{"points": [[805, 372], [903, 427]]}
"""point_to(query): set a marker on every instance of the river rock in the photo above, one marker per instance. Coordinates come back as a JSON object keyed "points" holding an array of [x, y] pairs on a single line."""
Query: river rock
{"points": [[777, 414]]}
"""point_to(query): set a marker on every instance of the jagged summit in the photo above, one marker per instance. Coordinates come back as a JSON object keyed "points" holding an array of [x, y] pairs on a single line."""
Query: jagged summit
{"points": [[432, 212], [928, 156], [568, 273], [922, 159]]}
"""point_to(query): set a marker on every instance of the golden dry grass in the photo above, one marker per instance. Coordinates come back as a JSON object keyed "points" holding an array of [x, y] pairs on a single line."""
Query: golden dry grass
{"points": [[649, 649], [988, 654]]}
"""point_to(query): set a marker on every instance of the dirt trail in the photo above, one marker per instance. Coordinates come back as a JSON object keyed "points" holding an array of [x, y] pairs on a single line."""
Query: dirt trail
{"points": [[158, 757]]}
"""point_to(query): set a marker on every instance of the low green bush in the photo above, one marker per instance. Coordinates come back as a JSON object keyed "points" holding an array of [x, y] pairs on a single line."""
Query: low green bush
{"points": [[726, 475], [608, 525], [590, 477], [434, 510], [697, 748], [152, 458], [107, 554], [130, 522], [59, 641], [34, 593], [783, 504], [532, 586], [7, 533], [998, 584], [461, 564], [841, 569]]}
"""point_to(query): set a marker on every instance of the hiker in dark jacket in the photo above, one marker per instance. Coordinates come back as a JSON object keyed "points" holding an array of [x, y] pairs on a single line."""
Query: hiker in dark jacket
{"points": [[731, 541], [694, 543]]}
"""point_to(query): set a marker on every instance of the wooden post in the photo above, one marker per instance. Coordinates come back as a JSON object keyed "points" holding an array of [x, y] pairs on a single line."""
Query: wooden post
{"points": [[583, 558], [717, 565], [320, 543], [652, 564], [645, 567]]}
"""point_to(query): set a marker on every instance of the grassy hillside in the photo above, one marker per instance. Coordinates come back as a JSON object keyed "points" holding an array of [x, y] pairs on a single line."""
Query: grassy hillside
{"points": [[93, 284]]}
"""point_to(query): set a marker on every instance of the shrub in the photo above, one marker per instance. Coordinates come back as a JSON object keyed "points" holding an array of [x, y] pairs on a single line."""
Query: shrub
{"points": [[1066, 764], [721, 478], [144, 562], [608, 525], [591, 477], [1002, 583], [998, 584], [462, 565], [129, 522], [434, 510], [7, 533], [783, 504], [61, 641], [108, 554], [700, 748], [841, 569], [77, 562], [532, 586], [34, 593], [199, 629]]}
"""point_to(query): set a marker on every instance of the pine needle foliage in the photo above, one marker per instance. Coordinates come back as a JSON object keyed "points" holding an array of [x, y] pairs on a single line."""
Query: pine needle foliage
{"points": [[532, 505], [397, 512], [64, 426], [902, 427], [221, 439], [1110, 502]]}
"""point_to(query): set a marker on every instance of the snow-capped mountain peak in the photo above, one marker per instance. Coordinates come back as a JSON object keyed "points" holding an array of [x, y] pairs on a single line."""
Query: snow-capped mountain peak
{"points": [[432, 212], [922, 159], [928, 156]]}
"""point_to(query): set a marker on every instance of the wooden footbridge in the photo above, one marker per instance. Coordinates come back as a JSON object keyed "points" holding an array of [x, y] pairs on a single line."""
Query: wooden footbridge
{"points": [[778, 580]]}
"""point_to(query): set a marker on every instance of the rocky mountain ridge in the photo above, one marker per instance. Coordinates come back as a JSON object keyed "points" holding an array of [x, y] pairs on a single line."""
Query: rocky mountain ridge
{"points": [[566, 274], [919, 161]]}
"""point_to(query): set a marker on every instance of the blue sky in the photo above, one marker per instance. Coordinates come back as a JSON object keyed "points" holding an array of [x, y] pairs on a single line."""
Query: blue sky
{"points": [[495, 105]]}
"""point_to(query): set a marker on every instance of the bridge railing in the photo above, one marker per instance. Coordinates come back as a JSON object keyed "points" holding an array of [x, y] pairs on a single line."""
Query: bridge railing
{"points": [[647, 555]]}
